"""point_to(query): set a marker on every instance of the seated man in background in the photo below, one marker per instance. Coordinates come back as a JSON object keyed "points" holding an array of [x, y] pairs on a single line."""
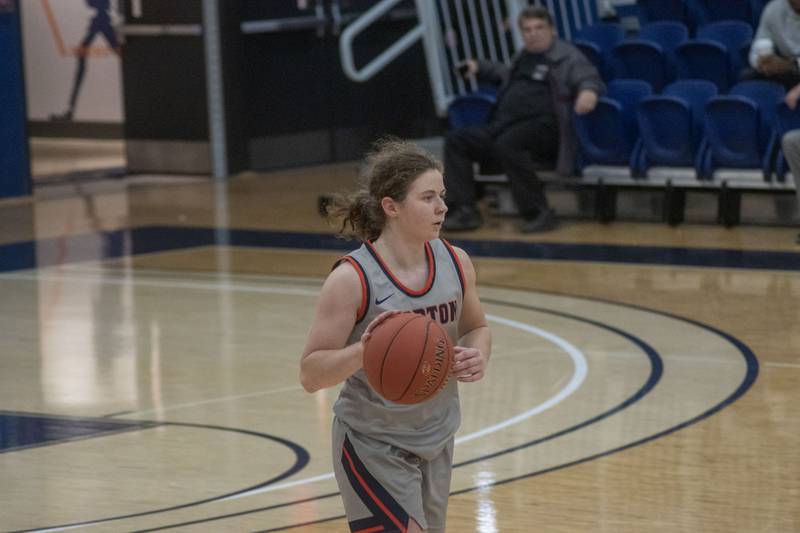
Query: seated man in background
{"points": [[530, 123], [775, 52], [791, 145]]}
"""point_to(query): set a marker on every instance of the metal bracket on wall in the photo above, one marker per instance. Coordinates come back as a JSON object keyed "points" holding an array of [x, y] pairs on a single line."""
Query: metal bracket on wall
{"points": [[159, 30], [318, 20]]}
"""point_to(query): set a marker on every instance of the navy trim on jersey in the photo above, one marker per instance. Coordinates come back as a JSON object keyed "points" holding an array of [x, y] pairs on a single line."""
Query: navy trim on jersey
{"points": [[457, 264], [412, 293], [385, 510]]}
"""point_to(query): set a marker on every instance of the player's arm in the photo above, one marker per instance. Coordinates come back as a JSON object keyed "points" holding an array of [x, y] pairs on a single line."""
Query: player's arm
{"points": [[326, 360], [475, 340]]}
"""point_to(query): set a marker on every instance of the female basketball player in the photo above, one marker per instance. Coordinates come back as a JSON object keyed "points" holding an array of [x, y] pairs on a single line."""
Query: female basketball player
{"points": [[393, 462]]}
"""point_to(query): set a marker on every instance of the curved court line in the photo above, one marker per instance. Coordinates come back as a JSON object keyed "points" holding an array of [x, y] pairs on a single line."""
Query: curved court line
{"points": [[301, 460], [578, 360], [656, 370], [577, 379], [750, 377], [654, 378]]}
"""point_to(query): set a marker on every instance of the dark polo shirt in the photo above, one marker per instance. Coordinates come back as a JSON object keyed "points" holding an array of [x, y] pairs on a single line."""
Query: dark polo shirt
{"points": [[527, 96]]}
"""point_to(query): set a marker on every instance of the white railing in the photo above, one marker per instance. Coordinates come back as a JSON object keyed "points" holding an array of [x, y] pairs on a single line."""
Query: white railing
{"points": [[450, 32], [387, 56], [454, 30]]}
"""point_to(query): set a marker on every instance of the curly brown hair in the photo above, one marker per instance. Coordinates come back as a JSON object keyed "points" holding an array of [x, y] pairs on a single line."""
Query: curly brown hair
{"points": [[389, 170]]}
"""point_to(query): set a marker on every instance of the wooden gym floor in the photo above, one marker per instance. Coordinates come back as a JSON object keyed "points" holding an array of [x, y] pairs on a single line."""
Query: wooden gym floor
{"points": [[644, 377]]}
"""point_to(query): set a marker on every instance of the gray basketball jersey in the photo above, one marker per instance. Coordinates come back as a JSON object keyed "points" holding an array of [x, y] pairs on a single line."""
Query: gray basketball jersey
{"points": [[424, 428]]}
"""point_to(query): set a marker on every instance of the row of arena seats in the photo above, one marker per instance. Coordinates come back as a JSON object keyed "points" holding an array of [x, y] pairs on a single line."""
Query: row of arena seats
{"points": [[696, 13], [689, 124], [663, 51], [689, 136], [675, 116]]}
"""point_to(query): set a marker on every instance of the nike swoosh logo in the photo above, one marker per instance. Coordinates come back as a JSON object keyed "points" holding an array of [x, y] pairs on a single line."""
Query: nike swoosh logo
{"points": [[379, 302]]}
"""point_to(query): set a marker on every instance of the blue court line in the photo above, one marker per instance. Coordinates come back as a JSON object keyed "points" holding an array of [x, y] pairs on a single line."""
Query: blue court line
{"points": [[166, 238], [149, 239], [656, 371], [749, 378], [302, 458], [22, 431]]}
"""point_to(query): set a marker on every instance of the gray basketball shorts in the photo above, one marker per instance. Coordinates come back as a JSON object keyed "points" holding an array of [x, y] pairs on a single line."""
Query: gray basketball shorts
{"points": [[384, 486]]}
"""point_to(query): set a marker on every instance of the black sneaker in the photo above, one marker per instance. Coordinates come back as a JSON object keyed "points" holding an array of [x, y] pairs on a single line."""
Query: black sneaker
{"points": [[464, 218], [544, 221]]}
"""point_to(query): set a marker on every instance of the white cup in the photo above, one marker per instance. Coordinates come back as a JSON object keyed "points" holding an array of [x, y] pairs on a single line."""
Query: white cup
{"points": [[763, 47]]}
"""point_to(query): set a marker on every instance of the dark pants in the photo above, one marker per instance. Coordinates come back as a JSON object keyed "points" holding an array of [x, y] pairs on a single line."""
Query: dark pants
{"points": [[520, 149], [788, 79]]}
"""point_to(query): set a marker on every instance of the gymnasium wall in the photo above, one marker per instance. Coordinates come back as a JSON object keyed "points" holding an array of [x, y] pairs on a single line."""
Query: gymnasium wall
{"points": [[14, 168], [287, 100]]}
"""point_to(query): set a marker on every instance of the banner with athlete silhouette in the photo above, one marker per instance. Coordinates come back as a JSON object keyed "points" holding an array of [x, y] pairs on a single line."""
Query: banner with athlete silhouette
{"points": [[72, 65]]}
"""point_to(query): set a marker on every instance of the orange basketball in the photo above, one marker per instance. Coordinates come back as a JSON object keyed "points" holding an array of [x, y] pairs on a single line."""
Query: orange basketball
{"points": [[407, 358]]}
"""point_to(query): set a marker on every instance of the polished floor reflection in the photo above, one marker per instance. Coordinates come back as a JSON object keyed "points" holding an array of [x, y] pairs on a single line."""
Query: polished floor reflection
{"points": [[644, 377]]}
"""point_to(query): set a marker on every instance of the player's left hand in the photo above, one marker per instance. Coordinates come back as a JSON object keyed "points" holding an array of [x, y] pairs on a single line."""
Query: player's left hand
{"points": [[470, 364]]}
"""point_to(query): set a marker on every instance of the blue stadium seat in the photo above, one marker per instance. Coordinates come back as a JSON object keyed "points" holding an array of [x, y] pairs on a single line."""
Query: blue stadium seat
{"points": [[604, 34], [703, 12], [609, 135], [602, 136], [668, 34], [735, 36], [740, 128], [785, 120], [671, 125], [767, 95], [704, 60], [642, 60], [596, 56], [732, 123], [629, 93], [597, 41], [470, 110], [665, 127], [655, 10], [696, 93]]}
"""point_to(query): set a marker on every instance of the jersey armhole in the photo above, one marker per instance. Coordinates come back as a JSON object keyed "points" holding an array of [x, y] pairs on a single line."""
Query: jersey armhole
{"points": [[362, 276], [457, 263]]}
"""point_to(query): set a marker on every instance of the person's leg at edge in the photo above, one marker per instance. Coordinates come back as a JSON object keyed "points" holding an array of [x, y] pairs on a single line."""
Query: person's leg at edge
{"points": [[791, 150], [462, 147], [518, 148]]}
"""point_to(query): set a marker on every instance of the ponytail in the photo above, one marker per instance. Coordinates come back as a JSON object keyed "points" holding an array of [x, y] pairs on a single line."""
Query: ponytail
{"points": [[390, 169]]}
